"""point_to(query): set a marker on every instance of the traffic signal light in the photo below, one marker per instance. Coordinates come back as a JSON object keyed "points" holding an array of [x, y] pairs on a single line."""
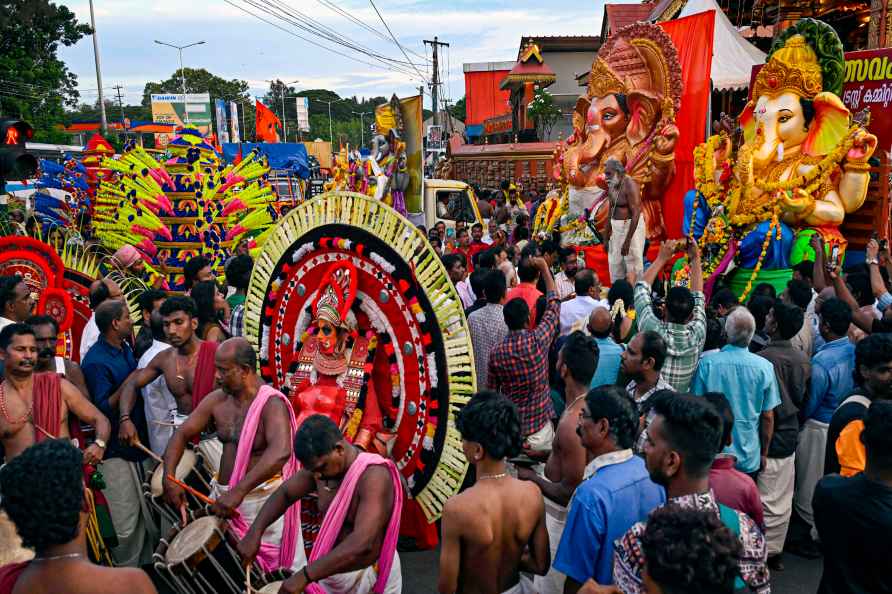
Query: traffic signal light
{"points": [[15, 162]]}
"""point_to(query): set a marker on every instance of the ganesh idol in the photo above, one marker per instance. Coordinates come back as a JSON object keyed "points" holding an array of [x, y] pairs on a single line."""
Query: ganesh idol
{"points": [[802, 166], [330, 377], [627, 114]]}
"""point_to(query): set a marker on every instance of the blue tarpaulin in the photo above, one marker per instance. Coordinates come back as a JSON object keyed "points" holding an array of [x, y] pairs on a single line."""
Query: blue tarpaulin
{"points": [[285, 155]]}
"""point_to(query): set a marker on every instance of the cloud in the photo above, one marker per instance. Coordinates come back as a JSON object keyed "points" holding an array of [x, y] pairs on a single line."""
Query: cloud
{"points": [[240, 46]]}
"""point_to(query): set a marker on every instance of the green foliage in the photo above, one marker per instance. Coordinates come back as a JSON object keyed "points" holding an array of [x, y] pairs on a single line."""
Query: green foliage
{"points": [[36, 85], [543, 111], [824, 39], [198, 80], [459, 111]]}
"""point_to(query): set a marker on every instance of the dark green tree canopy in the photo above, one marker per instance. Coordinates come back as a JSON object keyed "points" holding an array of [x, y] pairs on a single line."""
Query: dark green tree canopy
{"points": [[198, 80], [36, 84]]}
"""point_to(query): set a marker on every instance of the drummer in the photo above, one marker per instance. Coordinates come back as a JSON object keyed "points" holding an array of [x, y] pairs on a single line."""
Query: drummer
{"points": [[49, 510], [256, 425], [361, 496], [187, 368]]}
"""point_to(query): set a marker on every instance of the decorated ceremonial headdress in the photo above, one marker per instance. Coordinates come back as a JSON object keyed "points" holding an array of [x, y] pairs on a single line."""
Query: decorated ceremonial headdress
{"points": [[640, 61], [343, 254], [807, 60], [336, 294]]}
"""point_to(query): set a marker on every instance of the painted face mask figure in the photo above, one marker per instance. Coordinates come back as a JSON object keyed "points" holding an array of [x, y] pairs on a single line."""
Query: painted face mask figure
{"points": [[329, 377], [801, 168]]}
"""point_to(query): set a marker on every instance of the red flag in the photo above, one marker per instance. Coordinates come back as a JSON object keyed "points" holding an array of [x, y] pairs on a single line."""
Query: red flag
{"points": [[238, 155], [266, 124]]}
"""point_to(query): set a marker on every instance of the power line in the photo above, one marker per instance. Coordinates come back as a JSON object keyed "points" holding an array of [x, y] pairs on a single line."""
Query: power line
{"points": [[301, 21], [386, 26], [347, 15], [313, 26]]}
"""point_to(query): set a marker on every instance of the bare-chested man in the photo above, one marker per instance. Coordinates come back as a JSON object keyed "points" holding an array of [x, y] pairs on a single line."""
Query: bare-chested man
{"points": [[625, 232], [187, 367], [46, 333], [576, 365], [361, 496], [495, 529], [43, 493], [257, 427], [34, 407]]}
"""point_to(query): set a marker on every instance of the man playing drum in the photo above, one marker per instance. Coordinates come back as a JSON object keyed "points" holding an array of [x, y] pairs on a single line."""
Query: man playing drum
{"points": [[360, 495], [256, 425]]}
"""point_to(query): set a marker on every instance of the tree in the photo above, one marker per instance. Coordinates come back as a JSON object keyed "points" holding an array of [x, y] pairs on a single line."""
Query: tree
{"points": [[37, 83], [198, 80], [459, 111], [544, 112]]}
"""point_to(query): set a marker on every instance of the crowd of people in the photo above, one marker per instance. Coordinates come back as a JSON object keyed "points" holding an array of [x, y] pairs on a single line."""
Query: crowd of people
{"points": [[636, 439], [740, 420]]}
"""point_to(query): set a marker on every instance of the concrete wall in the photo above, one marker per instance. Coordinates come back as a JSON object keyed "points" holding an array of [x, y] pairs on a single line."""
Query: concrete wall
{"points": [[566, 90]]}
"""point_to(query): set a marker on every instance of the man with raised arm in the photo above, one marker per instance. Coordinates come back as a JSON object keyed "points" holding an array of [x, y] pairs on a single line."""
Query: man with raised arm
{"points": [[256, 425], [361, 497], [496, 529]]}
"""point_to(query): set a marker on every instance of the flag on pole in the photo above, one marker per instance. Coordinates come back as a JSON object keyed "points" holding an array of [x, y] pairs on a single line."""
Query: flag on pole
{"points": [[266, 124]]}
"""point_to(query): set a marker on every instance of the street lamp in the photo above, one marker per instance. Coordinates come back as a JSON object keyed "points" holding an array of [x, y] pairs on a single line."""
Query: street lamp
{"points": [[284, 125], [361, 125], [180, 49]]}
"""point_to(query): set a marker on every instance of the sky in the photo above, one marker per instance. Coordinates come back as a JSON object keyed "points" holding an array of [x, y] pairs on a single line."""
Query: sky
{"points": [[238, 45]]}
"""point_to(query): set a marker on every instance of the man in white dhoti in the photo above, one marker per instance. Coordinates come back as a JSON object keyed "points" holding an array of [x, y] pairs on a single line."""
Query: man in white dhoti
{"points": [[625, 232], [256, 426], [576, 365]]}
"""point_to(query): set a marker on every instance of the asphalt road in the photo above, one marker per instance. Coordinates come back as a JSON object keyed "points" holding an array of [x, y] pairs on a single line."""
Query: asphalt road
{"points": [[800, 576]]}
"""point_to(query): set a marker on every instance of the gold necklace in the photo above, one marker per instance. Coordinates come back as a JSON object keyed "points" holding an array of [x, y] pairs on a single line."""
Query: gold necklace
{"points": [[189, 361], [484, 477], [27, 415]]}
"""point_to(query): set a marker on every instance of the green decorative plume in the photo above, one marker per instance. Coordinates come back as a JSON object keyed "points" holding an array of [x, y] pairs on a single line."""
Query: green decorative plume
{"points": [[824, 40]]}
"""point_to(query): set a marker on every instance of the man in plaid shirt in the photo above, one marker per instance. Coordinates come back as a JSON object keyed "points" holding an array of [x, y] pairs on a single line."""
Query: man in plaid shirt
{"points": [[518, 367], [683, 326]]}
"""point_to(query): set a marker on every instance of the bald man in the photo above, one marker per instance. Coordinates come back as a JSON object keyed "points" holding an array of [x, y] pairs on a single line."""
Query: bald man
{"points": [[588, 298], [101, 290], [600, 326], [256, 425]]}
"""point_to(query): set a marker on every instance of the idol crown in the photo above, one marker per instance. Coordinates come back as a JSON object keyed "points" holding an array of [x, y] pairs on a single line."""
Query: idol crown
{"points": [[792, 69], [603, 81]]}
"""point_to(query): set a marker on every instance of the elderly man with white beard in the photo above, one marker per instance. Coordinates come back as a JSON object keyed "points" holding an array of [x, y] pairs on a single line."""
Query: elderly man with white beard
{"points": [[625, 233]]}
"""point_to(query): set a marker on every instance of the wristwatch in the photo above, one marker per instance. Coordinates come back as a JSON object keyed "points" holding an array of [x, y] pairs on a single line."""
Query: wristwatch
{"points": [[100, 442], [870, 261]]}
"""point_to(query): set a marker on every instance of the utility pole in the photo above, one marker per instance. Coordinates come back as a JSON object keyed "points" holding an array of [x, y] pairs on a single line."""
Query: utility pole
{"points": [[119, 88], [361, 126], [102, 117], [435, 81]]}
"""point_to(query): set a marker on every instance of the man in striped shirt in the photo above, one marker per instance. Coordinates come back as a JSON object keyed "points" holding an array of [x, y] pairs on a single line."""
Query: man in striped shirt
{"points": [[683, 324]]}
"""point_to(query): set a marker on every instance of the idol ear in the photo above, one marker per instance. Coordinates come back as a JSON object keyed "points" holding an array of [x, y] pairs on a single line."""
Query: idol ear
{"points": [[747, 119], [829, 126], [644, 112]]}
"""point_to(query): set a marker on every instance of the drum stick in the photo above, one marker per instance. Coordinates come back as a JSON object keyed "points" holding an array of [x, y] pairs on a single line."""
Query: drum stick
{"points": [[183, 485], [149, 452], [248, 578]]}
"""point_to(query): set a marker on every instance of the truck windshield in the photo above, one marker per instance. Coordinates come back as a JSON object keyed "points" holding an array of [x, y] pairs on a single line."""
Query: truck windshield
{"points": [[455, 205]]}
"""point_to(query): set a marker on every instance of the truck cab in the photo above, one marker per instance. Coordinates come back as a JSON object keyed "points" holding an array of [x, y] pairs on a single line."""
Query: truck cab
{"points": [[450, 201]]}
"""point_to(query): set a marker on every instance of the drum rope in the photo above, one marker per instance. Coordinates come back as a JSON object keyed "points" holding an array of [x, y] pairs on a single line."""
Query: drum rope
{"points": [[94, 536]]}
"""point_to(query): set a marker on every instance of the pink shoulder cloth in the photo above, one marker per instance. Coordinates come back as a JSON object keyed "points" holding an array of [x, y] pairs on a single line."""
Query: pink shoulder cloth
{"points": [[337, 513]]}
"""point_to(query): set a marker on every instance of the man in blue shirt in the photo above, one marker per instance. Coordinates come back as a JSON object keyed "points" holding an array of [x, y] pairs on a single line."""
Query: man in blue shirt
{"points": [[617, 491], [600, 325], [748, 382], [105, 367], [831, 383]]}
